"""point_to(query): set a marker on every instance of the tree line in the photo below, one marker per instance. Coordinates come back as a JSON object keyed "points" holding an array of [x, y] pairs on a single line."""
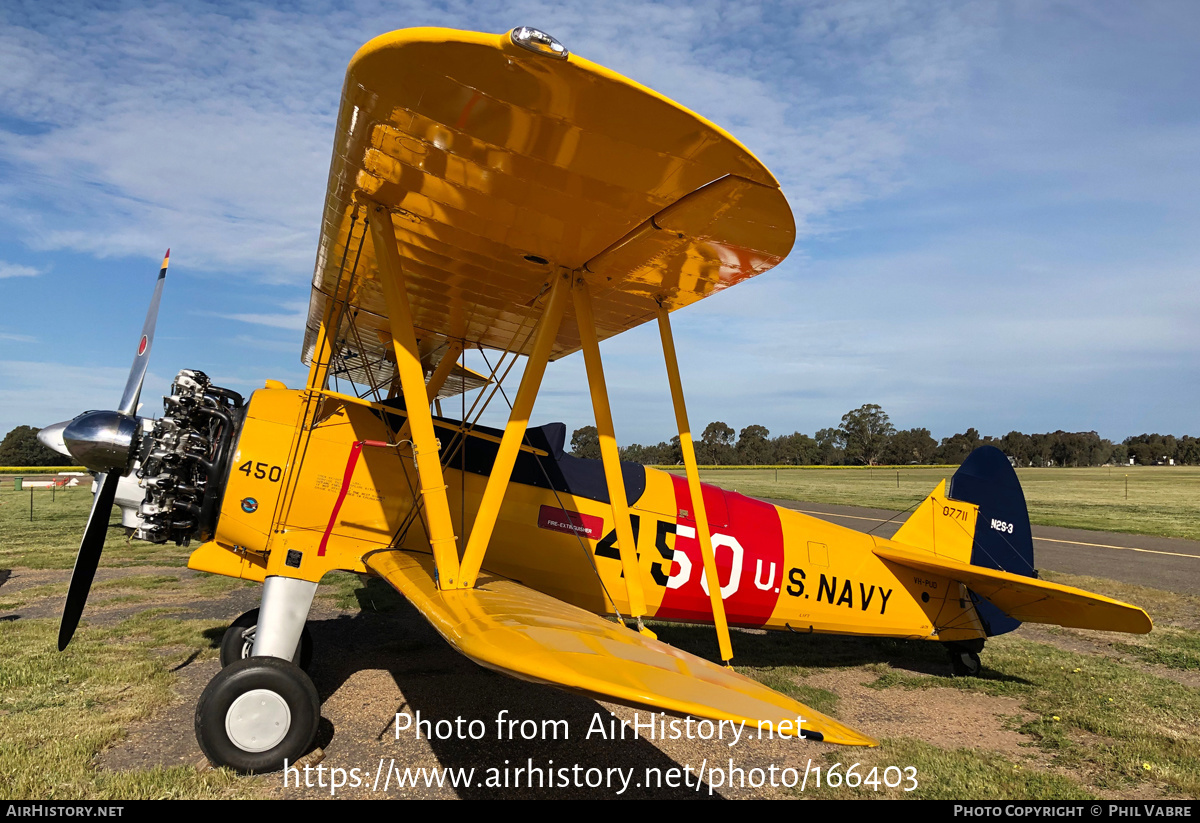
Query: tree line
{"points": [[20, 447], [864, 437], [867, 437]]}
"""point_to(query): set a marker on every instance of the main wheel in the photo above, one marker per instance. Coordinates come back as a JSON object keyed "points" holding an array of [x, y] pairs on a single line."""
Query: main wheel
{"points": [[257, 714], [238, 640]]}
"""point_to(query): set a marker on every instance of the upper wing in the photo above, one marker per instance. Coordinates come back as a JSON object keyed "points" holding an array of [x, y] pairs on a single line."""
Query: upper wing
{"points": [[524, 633], [500, 166]]}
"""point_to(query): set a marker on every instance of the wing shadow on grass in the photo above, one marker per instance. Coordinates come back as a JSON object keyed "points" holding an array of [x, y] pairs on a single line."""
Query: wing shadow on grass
{"points": [[442, 685]]}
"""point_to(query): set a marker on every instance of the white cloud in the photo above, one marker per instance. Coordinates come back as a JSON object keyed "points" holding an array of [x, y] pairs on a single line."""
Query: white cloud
{"points": [[217, 143], [293, 320], [15, 270], [983, 190], [39, 393]]}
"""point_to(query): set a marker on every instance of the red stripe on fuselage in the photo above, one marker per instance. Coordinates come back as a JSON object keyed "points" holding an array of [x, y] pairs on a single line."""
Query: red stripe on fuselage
{"points": [[749, 555]]}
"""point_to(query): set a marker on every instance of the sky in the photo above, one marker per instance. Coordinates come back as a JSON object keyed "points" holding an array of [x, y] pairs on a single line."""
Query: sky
{"points": [[996, 204]]}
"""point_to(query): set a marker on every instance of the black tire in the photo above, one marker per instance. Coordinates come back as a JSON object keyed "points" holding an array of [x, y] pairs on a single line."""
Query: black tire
{"points": [[227, 703], [235, 646], [965, 663]]}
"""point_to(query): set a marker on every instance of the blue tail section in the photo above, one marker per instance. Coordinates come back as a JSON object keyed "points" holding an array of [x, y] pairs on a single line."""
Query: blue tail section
{"points": [[1003, 540]]}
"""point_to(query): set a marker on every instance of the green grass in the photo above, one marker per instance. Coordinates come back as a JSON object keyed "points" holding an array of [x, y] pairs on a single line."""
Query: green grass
{"points": [[1173, 648], [940, 774], [1166, 608], [59, 710], [1163, 500], [347, 590], [1175, 640], [21, 597], [1138, 726], [1103, 724], [1100, 724], [51, 539], [131, 589], [34, 471], [786, 680]]}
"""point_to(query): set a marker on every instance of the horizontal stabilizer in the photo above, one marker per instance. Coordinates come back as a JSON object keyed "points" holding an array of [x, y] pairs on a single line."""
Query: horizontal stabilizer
{"points": [[531, 636], [1027, 598]]}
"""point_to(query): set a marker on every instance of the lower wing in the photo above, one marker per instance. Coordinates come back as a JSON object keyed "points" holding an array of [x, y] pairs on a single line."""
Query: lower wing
{"points": [[513, 629]]}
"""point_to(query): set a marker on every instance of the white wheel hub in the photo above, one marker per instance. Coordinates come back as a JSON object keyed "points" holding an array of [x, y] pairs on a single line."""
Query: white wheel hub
{"points": [[258, 720], [248, 641]]}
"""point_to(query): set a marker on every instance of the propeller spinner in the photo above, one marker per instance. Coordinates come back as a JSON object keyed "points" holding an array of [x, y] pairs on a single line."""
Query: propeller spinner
{"points": [[105, 442]]}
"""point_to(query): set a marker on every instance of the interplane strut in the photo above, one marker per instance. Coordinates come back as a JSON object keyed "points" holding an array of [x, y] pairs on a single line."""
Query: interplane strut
{"points": [[608, 447], [416, 399], [514, 431], [693, 478]]}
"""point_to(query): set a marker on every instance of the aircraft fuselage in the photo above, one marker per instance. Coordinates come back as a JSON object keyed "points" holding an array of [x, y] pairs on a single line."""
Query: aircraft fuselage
{"points": [[778, 568]]}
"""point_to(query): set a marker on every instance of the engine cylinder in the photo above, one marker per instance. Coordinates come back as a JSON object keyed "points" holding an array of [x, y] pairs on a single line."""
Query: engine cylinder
{"points": [[185, 460]]}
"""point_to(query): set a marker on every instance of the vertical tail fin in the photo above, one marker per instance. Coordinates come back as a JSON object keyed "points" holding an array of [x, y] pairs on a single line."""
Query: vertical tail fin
{"points": [[980, 519], [943, 526], [1003, 540]]}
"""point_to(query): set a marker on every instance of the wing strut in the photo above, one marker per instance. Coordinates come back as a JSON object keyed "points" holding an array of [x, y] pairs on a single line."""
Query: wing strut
{"points": [[514, 431], [327, 332], [693, 478], [444, 367], [608, 449], [436, 381], [416, 398]]}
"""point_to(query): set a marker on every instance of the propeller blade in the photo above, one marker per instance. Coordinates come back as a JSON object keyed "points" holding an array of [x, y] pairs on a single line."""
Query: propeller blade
{"points": [[137, 372], [89, 556]]}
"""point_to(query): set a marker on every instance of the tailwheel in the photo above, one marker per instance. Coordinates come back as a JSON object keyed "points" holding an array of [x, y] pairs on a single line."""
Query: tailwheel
{"points": [[964, 658], [965, 664], [257, 714], [238, 641]]}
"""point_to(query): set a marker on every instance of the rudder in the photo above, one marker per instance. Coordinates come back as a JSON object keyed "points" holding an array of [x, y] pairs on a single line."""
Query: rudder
{"points": [[1003, 539]]}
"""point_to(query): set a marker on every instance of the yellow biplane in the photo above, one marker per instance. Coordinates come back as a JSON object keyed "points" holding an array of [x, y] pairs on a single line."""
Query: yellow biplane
{"points": [[497, 193]]}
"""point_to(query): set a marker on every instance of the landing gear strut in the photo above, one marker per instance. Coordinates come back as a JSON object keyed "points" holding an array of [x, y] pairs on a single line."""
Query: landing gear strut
{"points": [[238, 642], [260, 713]]}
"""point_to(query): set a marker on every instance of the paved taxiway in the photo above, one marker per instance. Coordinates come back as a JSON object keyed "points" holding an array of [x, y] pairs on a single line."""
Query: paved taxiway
{"points": [[1167, 563]]}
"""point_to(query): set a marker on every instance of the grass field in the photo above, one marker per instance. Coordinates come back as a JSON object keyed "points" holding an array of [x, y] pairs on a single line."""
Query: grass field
{"points": [[51, 537], [1163, 500], [1099, 716]]}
